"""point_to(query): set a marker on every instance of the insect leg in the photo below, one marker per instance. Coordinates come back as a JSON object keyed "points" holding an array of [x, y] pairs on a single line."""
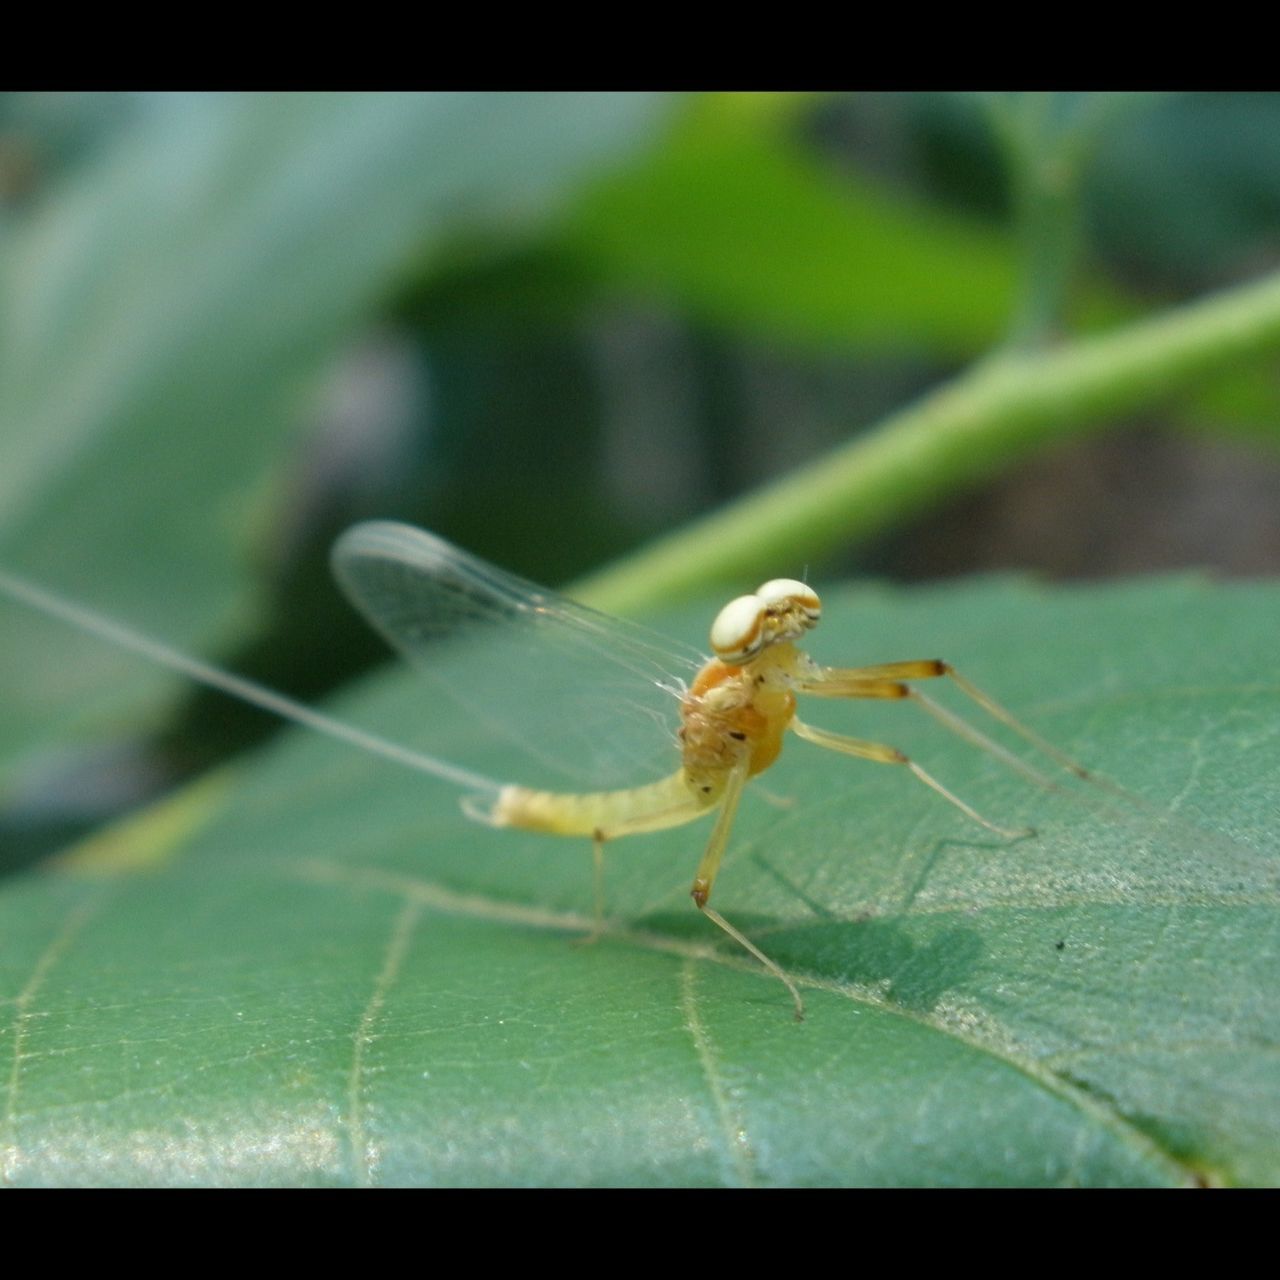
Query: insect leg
{"points": [[994, 709], [891, 755], [706, 876], [597, 898], [885, 681], [641, 820]]}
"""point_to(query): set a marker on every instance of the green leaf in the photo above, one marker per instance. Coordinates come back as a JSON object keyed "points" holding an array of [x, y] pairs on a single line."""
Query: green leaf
{"points": [[741, 222], [317, 971], [167, 306]]}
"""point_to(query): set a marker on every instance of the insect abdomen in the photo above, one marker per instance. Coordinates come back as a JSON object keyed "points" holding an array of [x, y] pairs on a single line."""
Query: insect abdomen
{"points": [[667, 803]]}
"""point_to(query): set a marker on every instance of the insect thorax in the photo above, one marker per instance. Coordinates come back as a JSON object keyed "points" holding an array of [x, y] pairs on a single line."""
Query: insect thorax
{"points": [[736, 713]]}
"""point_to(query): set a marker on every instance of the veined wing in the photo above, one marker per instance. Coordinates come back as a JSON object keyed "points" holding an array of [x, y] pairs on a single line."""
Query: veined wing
{"points": [[591, 701]]}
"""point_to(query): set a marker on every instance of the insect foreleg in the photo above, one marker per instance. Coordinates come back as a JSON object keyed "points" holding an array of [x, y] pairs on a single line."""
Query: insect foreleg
{"points": [[886, 681]]}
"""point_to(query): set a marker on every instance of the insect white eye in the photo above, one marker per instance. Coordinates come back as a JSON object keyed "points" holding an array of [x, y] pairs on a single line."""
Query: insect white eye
{"points": [[791, 593], [737, 632]]}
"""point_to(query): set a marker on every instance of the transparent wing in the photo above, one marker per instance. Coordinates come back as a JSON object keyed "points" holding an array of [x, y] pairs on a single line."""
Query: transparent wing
{"points": [[590, 701]]}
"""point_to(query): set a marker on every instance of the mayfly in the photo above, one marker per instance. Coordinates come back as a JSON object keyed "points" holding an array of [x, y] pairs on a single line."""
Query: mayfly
{"points": [[728, 714]]}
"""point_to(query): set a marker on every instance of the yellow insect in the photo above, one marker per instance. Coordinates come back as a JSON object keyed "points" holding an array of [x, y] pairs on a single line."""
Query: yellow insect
{"points": [[728, 714]]}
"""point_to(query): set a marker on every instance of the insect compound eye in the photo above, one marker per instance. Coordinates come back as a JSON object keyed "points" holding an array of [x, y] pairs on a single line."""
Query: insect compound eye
{"points": [[787, 595], [737, 633]]}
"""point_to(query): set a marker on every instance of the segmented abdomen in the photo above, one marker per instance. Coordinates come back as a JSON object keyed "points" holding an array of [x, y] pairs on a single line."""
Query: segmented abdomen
{"points": [[667, 803]]}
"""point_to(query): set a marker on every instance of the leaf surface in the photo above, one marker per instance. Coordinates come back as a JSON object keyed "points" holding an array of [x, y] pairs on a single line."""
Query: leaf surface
{"points": [[314, 970]]}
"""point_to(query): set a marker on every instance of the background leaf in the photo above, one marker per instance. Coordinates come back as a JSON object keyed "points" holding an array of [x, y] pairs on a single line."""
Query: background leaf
{"points": [[750, 232], [326, 975]]}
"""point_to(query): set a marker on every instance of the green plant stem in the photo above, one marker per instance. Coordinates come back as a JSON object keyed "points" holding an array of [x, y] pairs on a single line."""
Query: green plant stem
{"points": [[1048, 144], [1048, 216], [995, 414], [1044, 187]]}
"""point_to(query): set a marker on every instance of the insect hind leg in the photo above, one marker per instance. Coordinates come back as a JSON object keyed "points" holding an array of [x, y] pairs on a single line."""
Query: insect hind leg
{"points": [[687, 810], [598, 838]]}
